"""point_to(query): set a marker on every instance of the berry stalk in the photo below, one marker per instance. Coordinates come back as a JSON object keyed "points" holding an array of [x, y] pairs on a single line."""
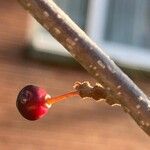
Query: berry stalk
{"points": [[33, 102], [59, 98]]}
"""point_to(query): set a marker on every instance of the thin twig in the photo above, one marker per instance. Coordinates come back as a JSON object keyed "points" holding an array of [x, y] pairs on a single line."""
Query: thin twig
{"points": [[120, 89]]}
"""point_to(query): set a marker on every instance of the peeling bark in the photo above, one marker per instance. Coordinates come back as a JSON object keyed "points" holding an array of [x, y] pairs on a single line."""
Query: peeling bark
{"points": [[119, 88]]}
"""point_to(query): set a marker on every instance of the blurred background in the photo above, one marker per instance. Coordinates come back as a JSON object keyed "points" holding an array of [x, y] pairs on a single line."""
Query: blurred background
{"points": [[26, 57]]}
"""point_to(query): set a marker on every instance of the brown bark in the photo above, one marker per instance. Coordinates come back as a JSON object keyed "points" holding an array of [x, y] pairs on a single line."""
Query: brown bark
{"points": [[119, 88]]}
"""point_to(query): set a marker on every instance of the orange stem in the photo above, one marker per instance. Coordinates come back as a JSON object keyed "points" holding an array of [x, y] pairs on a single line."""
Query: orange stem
{"points": [[61, 97]]}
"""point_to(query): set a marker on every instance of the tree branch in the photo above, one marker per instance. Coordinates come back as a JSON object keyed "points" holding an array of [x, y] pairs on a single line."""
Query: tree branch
{"points": [[119, 88]]}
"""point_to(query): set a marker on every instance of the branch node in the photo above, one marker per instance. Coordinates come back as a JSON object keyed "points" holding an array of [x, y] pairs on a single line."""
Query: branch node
{"points": [[85, 90]]}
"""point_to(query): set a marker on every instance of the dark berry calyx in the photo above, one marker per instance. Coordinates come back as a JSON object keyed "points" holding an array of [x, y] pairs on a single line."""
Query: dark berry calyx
{"points": [[31, 102]]}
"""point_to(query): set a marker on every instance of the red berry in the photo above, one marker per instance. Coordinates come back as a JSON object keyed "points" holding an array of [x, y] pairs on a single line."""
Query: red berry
{"points": [[31, 102]]}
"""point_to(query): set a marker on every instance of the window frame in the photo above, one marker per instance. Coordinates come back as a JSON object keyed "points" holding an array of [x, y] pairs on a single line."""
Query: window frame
{"points": [[125, 55]]}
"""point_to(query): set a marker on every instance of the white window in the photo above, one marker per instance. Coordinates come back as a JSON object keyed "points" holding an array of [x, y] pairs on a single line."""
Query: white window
{"points": [[121, 27]]}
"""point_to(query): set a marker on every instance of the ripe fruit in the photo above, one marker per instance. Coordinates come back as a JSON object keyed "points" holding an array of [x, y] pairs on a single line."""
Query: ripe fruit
{"points": [[33, 102]]}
